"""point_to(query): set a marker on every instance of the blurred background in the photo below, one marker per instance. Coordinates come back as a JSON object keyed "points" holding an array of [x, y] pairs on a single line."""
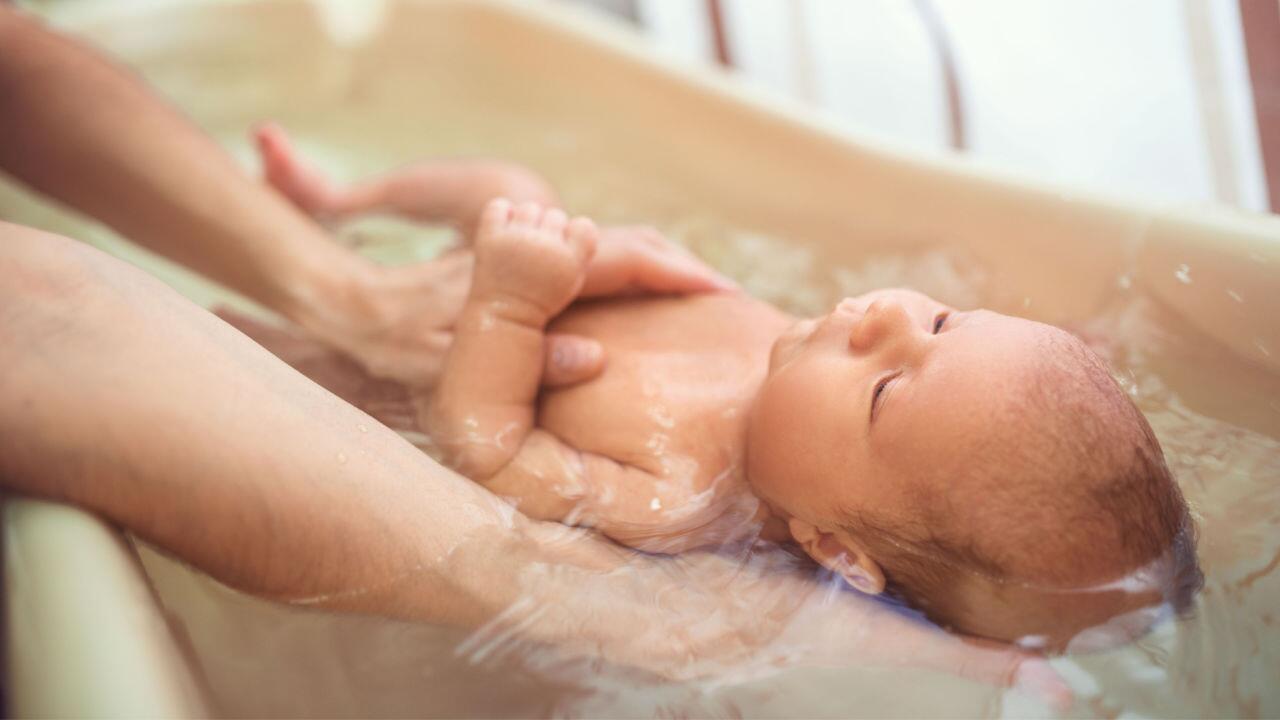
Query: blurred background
{"points": [[1167, 100], [1162, 100]]}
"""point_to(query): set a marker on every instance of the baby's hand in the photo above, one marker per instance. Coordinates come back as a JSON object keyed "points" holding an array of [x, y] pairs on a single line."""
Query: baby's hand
{"points": [[530, 260]]}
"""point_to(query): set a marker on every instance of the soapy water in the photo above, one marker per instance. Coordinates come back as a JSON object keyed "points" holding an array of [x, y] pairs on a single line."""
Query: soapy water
{"points": [[1230, 474], [1221, 660]]}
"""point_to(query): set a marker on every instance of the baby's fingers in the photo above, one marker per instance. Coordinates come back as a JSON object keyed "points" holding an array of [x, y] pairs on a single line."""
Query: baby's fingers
{"points": [[581, 234], [496, 214]]}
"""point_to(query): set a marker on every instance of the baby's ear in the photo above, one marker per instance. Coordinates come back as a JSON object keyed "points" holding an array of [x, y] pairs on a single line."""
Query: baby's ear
{"points": [[840, 553]]}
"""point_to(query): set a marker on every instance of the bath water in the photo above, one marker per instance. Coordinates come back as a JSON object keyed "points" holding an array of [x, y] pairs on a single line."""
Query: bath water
{"points": [[1217, 417]]}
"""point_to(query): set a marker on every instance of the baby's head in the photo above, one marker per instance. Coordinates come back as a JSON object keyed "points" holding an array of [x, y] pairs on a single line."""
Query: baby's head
{"points": [[986, 469]]}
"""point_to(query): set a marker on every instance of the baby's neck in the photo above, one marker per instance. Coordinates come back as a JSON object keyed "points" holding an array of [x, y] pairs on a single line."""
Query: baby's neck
{"points": [[772, 521]]}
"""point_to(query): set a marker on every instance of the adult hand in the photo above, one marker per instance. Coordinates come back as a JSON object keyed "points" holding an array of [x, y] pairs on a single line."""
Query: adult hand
{"points": [[570, 359], [694, 616], [453, 191], [728, 617], [397, 322]]}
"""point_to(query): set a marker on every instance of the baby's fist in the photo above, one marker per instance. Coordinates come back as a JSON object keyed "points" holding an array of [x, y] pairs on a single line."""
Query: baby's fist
{"points": [[531, 257]]}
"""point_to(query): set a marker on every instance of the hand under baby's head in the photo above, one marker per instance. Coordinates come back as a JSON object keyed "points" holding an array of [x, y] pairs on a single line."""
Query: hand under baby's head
{"points": [[986, 469]]}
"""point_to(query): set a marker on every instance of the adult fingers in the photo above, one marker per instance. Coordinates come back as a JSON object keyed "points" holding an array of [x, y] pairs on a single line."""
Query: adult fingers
{"points": [[894, 639], [1006, 666], [571, 359], [639, 260]]}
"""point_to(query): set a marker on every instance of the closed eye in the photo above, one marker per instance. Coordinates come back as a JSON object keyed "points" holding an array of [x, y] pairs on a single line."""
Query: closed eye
{"points": [[878, 392], [940, 321]]}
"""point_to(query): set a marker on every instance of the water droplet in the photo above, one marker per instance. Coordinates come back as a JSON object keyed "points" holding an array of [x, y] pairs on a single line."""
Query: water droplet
{"points": [[660, 415], [342, 458], [1261, 348], [1125, 281], [1235, 296], [655, 504], [363, 428], [1183, 273]]}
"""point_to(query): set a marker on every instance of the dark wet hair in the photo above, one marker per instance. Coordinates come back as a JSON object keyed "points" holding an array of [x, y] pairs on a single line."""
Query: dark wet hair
{"points": [[1093, 489]]}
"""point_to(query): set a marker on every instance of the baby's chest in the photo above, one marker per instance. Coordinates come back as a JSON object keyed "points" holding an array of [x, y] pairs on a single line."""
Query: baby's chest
{"points": [[671, 415]]}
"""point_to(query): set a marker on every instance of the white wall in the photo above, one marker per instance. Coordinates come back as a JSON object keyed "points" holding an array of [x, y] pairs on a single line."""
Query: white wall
{"points": [[1138, 97]]}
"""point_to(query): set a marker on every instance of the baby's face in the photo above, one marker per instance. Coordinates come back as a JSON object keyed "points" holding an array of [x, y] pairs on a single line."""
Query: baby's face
{"points": [[881, 405]]}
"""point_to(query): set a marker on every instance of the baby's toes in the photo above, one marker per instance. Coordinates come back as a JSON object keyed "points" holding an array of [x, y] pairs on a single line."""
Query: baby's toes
{"points": [[526, 215], [581, 235]]}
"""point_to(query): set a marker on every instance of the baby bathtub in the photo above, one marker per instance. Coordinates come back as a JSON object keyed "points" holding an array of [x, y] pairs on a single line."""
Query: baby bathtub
{"points": [[368, 85]]}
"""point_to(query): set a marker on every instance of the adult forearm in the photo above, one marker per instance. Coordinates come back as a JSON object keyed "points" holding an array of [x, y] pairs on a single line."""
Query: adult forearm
{"points": [[119, 395], [85, 131]]}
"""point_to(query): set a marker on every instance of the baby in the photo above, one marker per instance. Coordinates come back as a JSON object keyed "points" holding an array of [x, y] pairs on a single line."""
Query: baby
{"points": [[984, 469]]}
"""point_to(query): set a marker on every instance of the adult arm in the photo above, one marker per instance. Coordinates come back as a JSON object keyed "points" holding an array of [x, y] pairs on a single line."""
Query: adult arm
{"points": [[629, 258], [85, 131], [120, 396]]}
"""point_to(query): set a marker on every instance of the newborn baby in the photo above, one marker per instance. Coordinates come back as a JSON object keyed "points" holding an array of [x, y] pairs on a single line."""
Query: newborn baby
{"points": [[982, 468]]}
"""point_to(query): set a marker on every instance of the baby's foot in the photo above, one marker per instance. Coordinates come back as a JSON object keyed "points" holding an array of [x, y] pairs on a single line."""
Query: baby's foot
{"points": [[531, 259], [303, 184]]}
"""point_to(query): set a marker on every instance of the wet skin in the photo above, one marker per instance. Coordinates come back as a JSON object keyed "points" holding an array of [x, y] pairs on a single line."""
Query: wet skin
{"points": [[674, 400], [857, 409], [720, 418]]}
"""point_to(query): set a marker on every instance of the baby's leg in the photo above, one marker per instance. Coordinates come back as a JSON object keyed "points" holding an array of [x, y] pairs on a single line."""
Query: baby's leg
{"points": [[449, 191]]}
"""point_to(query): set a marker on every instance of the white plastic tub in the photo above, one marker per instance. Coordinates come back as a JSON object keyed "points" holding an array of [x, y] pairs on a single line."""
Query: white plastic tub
{"points": [[800, 212]]}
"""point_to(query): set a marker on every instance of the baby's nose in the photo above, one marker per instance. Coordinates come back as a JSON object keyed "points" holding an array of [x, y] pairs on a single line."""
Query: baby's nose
{"points": [[882, 321]]}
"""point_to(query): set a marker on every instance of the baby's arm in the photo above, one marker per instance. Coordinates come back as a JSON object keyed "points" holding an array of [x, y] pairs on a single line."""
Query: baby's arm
{"points": [[529, 266], [449, 191]]}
